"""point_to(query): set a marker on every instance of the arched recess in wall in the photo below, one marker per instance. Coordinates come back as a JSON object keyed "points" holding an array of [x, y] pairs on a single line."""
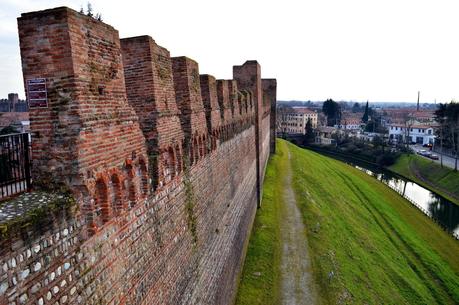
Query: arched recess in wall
{"points": [[195, 149], [171, 163], [143, 173], [201, 146], [179, 159], [214, 140], [130, 185], [154, 166], [117, 198], [102, 210], [208, 143]]}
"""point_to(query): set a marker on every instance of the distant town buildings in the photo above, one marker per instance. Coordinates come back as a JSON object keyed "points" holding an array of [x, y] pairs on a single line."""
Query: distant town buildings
{"points": [[401, 115], [294, 120], [18, 120], [419, 134], [13, 104], [325, 135], [350, 121], [14, 113]]}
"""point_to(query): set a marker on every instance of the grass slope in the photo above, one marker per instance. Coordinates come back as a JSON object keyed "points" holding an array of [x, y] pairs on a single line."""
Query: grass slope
{"points": [[260, 280], [429, 174], [368, 245]]}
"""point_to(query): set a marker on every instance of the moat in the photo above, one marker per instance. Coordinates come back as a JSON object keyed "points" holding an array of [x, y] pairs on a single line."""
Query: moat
{"points": [[439, 209]]}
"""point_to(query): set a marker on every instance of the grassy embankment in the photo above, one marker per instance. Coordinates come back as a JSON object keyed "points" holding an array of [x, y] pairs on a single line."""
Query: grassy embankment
{"points": [[429, 174], [368, 245], [260, 281]]}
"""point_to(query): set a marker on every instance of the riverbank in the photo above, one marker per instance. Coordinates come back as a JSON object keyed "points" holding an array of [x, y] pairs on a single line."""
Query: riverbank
{"points": [[429, 174], [367, 244]]}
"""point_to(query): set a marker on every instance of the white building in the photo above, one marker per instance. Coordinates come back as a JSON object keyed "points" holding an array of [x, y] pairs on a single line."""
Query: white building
{"points": [[324, 135], [352, 124], [420, 134], [294, 120]]}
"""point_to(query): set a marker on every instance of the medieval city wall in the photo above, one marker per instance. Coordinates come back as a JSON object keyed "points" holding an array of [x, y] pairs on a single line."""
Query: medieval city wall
{"points": [[147, 174]]}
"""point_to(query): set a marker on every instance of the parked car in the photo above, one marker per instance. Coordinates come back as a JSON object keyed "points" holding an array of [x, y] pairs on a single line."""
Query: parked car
{"points": [[433, 157], [422, 152], [427, 145]]}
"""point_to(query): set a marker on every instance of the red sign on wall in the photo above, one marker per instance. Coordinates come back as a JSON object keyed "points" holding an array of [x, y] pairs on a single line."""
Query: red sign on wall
{"points": [[38, 97]]}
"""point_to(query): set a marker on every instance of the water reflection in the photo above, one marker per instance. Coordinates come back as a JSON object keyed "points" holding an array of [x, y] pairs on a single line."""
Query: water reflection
{"points": [[438, 208]]}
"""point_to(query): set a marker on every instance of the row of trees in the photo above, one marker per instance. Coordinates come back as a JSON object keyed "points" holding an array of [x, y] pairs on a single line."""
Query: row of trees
{"points": [[447, 115]]}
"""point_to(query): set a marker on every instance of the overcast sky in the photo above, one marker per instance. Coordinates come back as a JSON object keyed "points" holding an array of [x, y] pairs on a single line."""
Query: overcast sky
{"points": [[317, 49]]}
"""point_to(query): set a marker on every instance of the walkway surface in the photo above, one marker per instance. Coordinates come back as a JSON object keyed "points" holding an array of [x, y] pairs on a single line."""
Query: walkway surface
{"points": [[297, 279]]}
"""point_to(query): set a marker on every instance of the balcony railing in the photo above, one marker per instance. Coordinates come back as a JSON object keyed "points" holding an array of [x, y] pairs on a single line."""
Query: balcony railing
{"points": [[14, 164]]}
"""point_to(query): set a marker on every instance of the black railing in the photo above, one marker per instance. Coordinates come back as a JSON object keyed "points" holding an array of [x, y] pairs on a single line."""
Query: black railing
{"points": [[14, 164]]}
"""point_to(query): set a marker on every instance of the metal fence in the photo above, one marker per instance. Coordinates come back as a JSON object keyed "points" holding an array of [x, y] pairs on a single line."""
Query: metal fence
{"points": [[14, 164]]}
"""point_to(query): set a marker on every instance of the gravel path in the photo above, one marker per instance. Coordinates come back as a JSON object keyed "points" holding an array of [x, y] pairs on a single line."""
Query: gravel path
{"points": [[297, 280]]}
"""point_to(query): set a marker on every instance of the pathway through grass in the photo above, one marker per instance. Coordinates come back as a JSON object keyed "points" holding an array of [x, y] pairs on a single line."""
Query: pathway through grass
{"points": [[297, 280], [367, 244]]}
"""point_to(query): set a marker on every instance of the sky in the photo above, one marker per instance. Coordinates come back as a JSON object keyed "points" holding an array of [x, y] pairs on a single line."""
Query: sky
{"points": [[316, 49]]}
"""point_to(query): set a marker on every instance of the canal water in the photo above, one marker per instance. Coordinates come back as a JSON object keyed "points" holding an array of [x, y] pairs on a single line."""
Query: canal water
{"points": [[439, 209]]}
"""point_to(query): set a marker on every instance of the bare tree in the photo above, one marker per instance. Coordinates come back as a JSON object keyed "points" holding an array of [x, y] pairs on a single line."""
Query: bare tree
{"points": [[281, 119], [408, 120]]}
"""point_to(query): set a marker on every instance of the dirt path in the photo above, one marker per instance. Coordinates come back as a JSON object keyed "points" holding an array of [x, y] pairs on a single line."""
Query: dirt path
{"points": [[297, 280]]}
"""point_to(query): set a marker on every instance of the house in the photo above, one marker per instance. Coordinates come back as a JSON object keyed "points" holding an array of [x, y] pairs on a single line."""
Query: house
{"points": [[324, 135], [416, 133], [294, 120], [349, 124]]}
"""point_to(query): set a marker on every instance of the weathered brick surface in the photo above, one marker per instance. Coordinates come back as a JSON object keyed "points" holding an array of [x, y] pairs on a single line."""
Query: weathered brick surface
{"points": [[180, 240], [88, 138], [269, 99], [189, 101], [150, 91], [212, 108]]}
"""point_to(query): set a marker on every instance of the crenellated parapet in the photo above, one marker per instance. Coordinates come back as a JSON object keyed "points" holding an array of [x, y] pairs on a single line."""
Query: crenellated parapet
{"points": [[269, 105], [85, 134], [226, 112], [234, 105], [212, 108], [150, 91], [162, 170], [189, 101]]}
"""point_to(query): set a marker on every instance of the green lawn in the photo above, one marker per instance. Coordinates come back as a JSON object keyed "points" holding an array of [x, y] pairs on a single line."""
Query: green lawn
{"points": [[444, 181], [260, 280], [368, 245]]}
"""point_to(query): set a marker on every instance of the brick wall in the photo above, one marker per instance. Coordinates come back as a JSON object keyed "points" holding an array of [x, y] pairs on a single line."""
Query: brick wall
{"points": [[165, 166]]}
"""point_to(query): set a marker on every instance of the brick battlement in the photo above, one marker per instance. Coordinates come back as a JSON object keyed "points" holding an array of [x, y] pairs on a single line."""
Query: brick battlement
{"points": [[165, 167]]}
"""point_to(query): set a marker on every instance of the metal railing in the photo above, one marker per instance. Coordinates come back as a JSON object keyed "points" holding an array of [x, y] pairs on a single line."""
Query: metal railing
{"points": [[14, 164]]}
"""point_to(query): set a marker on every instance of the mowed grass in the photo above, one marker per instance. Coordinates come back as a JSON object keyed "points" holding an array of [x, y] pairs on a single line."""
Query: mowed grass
{"points": [[260, 279], [444, 181], [368, 245]]}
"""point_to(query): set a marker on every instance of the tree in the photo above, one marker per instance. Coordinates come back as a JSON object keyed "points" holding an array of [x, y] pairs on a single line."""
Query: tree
{"points": [[366, 114], [440, 117], [89, 9], [356, 108], [447, 115], [309, 134], [333, 112], [281, 118]]}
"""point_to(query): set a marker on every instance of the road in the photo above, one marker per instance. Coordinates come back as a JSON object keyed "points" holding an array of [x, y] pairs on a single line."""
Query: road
{"points": [[297, 280], [447, 160]]}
